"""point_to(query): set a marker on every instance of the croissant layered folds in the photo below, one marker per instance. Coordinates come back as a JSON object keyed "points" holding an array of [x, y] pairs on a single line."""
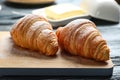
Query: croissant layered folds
{"points": [[80, 37], [35, 33]]}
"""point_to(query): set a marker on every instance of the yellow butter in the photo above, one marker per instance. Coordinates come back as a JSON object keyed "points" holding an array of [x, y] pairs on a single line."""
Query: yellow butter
{"points": [[63, 11]]}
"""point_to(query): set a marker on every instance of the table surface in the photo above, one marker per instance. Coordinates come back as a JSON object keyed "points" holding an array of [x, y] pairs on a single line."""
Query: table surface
{"points": [[110, 31]]}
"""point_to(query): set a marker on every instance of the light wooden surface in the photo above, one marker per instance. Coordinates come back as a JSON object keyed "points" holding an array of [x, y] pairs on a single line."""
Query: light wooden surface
{"points": [[12, 56]]}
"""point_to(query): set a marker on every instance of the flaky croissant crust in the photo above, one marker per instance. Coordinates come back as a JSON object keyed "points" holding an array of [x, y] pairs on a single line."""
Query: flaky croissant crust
{"points": [[35, 33], [80, 37]]}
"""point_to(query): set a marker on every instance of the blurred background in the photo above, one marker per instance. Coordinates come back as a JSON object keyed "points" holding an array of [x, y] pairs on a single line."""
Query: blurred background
{"points": [[12, 10]]}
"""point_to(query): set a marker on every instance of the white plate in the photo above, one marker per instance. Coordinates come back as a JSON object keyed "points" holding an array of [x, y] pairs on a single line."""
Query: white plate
{"points": [[56, 23]]}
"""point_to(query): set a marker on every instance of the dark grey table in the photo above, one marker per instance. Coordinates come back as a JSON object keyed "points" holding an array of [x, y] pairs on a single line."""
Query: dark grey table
{"points": [[110, 31]]}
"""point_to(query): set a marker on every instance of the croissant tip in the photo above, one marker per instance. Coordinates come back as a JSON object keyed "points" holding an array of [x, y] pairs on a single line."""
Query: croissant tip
{"points": [[105, 56], [58, 31]]}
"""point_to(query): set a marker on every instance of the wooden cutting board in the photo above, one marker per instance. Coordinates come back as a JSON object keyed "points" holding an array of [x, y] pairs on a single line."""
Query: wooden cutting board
{"points": [[15, 60]]}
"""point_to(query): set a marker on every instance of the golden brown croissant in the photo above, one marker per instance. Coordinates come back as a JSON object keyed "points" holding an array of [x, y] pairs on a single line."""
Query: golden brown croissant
{"points": [[35, 33], [80, 37]]}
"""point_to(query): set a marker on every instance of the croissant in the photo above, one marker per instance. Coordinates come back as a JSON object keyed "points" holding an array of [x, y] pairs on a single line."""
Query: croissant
{"points": [[80, 37], [35, 33]]}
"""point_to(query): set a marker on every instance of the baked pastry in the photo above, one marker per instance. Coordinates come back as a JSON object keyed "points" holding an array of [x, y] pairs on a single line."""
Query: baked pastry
{"points": [[35, 33], [80, 37]]}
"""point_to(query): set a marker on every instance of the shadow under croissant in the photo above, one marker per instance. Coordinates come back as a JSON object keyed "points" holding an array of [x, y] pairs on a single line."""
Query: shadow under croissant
{"points": [[19, 51], [14, 50], [80, 60]]}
